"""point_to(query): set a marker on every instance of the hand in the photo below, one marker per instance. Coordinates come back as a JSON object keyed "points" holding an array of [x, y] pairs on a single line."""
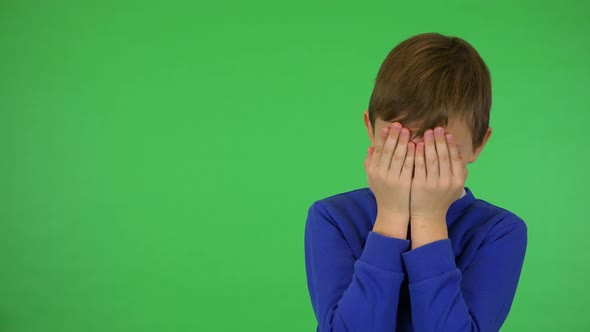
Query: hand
{"points": [[389, 166], [439, 176]]}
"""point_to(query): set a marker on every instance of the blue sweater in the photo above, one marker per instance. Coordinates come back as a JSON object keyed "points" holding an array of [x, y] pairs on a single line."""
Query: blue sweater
{"points": [[362, 281]]}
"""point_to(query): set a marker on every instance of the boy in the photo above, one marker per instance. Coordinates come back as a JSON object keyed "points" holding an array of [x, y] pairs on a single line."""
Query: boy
{"points": [[416, 251]]}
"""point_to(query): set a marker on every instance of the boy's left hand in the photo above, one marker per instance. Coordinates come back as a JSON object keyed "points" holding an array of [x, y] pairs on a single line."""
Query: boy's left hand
{"points": [[439, 177]]}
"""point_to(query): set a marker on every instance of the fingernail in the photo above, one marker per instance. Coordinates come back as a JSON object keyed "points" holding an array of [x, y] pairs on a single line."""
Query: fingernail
{"points": [[438, 131], [428, 133], [449, 137]]}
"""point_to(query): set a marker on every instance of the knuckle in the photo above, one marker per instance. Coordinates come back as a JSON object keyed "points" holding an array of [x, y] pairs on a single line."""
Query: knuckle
{"points": [[398, 157], [392, 178], [386, 149], [389, 181], [405, 184], [417, 184], [408, 165]]}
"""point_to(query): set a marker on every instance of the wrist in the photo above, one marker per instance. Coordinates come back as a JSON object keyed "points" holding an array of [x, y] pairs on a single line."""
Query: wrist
{"points": [[429, 218], [428, 229], [392, 225]]}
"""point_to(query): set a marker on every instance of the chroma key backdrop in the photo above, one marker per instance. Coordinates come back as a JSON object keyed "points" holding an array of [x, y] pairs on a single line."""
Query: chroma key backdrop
{"points": [[158, 158]]}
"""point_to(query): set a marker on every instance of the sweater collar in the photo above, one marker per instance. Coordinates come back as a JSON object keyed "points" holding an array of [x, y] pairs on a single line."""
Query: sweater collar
{"points": [[461, 203]]}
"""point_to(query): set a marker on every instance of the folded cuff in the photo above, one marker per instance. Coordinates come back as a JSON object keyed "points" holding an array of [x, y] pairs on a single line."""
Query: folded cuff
{"points": [[429, 260], [384, 252]]}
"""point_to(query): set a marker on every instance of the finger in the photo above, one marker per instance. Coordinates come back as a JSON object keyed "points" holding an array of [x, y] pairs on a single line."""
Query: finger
{"points": [[378, 148], [399, 155], [419, 162], [367, 161], [408, 165], [465, 169], [457, 165], [444, 165], [389, 146], [431, 161]]}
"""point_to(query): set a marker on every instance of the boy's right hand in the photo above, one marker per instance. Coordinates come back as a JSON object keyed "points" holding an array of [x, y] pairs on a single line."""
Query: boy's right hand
{"points": [[389, 165]]}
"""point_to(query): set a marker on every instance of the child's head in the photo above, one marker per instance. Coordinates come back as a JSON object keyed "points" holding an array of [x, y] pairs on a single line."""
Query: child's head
{"points": [[433, 80]]}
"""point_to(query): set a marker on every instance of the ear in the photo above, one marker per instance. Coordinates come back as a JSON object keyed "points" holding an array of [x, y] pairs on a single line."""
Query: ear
{"points": [[368, 125], [480, 148]]}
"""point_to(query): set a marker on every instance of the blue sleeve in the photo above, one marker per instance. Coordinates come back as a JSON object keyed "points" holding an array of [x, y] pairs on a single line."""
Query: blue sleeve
{"points": [[349, 294], [479, 299]]}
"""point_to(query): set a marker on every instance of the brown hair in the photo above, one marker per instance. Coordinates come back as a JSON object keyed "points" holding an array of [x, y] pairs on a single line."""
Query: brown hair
{"points": [[429, 77]]}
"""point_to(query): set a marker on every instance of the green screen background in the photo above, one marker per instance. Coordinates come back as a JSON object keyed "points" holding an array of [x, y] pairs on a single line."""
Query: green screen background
{"points": [[157, 159]]}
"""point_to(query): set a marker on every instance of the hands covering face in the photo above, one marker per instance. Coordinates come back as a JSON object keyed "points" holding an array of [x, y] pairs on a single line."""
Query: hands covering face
{"points": [[420, 180]]}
